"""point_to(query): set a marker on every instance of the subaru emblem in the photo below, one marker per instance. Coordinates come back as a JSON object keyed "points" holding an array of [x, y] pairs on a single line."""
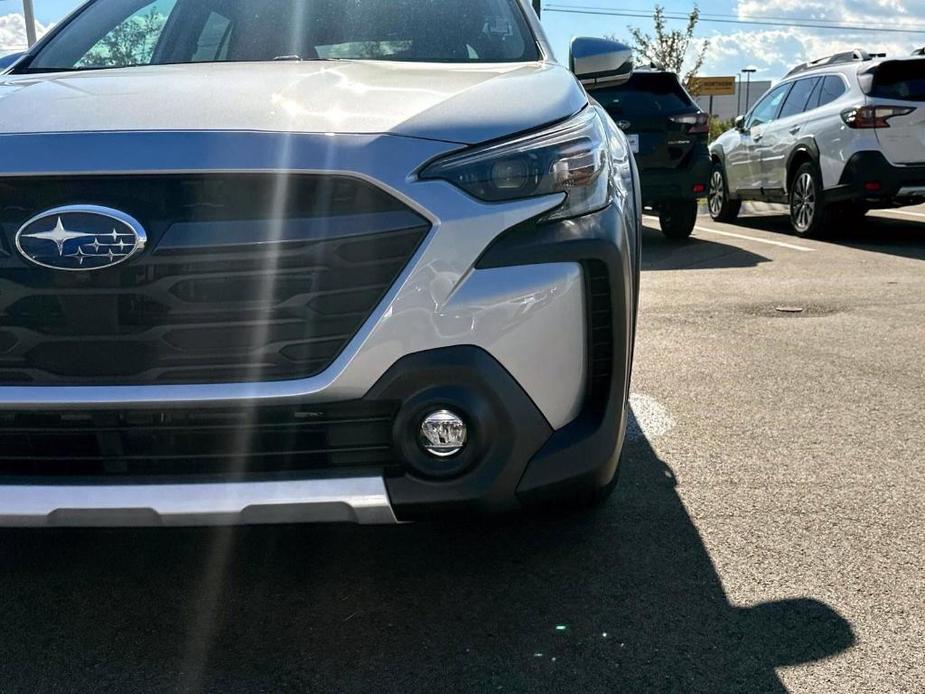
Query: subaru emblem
{"points": [[80, 238]]}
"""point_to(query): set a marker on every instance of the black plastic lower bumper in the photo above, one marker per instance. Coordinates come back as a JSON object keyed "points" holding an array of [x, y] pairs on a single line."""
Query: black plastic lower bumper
{"points": [[869, 178], [689, 182]]}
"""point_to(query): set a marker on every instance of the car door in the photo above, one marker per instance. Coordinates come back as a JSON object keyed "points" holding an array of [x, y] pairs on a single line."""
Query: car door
{"points": [[739, 176], [782, 134], [760, 125], [743, 160]]}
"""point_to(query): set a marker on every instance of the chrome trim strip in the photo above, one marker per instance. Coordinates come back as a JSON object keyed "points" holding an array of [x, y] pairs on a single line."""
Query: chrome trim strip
{"points": [[911, 190], [362, 500]]}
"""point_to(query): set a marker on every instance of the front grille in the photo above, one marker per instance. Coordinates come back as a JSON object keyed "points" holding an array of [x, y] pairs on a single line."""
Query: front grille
{"points": [[232, 443], [247, 277]]}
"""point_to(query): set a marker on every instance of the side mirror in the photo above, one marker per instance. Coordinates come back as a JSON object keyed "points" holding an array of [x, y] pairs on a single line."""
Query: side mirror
{"points": [[739, 123], [600, 63]]}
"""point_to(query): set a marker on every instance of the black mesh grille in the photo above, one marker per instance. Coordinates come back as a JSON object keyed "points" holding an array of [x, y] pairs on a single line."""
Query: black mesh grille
{"points": [[600, 331], [246, 278], [229, 442]]}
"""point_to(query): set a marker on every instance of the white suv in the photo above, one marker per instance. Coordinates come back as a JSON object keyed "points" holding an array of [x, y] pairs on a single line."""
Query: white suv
{"points": [[835, 138]]}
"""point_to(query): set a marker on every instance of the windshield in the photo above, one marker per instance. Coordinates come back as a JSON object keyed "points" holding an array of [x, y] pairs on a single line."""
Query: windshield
{"points": [[125, 33]]}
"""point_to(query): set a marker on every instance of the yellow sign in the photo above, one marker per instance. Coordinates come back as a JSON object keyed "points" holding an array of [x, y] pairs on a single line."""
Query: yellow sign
{"points": [[713, 86]]}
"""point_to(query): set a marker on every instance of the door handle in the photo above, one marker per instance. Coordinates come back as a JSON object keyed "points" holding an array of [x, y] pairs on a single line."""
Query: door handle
{"points": [[795, 129], [757, 138]]}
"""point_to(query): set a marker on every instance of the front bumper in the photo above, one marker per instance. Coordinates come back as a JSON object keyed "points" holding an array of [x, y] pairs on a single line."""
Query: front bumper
{"points": [[896, 185], [526, 329]]}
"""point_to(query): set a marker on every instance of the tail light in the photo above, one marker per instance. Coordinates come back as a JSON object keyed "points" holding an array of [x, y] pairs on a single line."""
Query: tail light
{"points": [[868, 117], [699, 123]]}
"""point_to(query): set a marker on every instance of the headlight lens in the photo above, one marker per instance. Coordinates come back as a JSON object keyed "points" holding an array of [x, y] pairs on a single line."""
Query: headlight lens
{"points": [[570, 158]]}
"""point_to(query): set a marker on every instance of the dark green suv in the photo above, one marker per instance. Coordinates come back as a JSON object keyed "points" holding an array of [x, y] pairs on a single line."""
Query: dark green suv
{"points": [[668, 133]]}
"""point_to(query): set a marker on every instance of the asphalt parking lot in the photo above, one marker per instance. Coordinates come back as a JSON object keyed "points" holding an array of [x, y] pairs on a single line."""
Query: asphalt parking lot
{"points": [[768, 533]]}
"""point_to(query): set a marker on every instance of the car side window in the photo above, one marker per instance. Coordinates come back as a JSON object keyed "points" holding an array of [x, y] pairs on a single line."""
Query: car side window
{"points": [[766, 110], [799, 96], [832, 88]]}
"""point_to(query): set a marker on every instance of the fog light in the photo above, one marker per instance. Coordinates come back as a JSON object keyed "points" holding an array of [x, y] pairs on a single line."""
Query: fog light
{"points": [[443, 434]]}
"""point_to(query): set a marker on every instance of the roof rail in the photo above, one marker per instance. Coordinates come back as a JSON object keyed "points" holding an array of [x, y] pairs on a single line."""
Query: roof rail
{"points": [[856, 56]]}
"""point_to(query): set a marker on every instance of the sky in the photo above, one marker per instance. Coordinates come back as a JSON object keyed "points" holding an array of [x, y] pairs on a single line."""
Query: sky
{"points": [[781, 39]]}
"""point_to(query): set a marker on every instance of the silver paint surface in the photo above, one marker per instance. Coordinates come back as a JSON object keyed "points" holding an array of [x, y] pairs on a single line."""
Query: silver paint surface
{"points": [[361, 500], [454, 103]]}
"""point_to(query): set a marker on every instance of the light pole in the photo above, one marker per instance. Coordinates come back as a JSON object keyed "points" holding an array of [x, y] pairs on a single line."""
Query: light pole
{"points": [[28, 14], [748, 85]]}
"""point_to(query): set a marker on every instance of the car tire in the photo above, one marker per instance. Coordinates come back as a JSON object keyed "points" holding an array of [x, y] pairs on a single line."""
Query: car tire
{"points": [[809, 214], [722, 209], [677, 219]]}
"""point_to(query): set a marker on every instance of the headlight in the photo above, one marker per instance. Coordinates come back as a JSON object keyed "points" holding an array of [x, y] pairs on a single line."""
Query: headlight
{"points": [[570, 158]]}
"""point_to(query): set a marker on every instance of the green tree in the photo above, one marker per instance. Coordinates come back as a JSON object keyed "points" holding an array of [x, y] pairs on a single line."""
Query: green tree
{"points": [[718, 127], [674, 49]]}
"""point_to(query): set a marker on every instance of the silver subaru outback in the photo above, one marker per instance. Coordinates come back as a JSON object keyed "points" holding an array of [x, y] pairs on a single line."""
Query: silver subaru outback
{"points": [[310, 260]]}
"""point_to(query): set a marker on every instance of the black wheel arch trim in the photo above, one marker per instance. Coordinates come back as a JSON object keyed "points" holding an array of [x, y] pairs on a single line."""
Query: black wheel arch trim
{"points": [[806, 147]]}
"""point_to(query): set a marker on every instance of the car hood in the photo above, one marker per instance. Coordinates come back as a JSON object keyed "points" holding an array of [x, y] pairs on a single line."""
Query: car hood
{"points": [[455, 103]]}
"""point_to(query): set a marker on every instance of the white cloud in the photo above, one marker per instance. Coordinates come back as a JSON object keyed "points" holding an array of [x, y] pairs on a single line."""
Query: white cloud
{"points": [[13, 33], [844, 11], [774, 50]]}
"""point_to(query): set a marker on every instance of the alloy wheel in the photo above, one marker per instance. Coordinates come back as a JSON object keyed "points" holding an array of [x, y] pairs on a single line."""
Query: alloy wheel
{"points": [[803, 202], [717, 193]]}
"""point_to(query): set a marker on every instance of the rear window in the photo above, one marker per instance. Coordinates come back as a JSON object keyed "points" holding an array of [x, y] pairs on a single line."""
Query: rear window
{"points": [[646, 95], [901, 80]]}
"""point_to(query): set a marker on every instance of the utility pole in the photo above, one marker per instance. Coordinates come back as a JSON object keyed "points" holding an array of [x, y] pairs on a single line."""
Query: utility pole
{"points": [[748, 85], [28, 14], [536, 6]]}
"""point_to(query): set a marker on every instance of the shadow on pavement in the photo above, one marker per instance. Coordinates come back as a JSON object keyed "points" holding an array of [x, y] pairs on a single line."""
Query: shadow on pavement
{"points": [[899, 237], [622, 599], [658, 253]]}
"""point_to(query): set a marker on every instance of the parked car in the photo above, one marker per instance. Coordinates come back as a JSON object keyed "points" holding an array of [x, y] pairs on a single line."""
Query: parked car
{"points": [[378, 268], [668, 133], [834, 139]]}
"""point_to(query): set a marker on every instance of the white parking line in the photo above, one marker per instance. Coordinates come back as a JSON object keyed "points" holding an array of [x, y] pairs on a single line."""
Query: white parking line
{"points": [[791, 246], [650, 418], [905, 213]]}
